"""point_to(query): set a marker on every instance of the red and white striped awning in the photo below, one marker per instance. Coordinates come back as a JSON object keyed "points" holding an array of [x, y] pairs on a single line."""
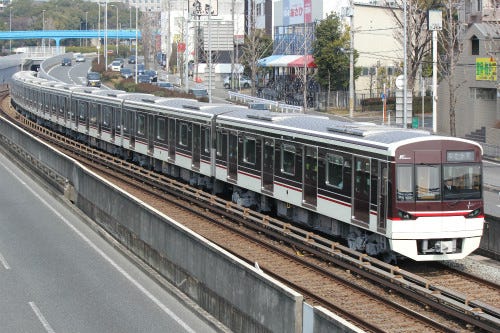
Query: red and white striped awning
{"points": [[288, 61]]}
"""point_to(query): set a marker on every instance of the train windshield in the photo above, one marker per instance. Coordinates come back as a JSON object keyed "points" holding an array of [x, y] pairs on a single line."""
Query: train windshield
{"points": [[462, 181], [430, 182]]}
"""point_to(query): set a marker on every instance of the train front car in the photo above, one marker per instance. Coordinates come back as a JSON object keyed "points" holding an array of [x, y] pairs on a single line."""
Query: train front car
{"points": [[437, 203]]}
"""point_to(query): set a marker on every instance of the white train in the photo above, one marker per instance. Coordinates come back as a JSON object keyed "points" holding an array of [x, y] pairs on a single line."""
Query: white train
{"points": [[381, 189]]}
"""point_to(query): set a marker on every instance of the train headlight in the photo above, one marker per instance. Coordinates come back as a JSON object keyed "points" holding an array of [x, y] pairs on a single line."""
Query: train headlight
{"points": [[474, 213], [405, 215]]}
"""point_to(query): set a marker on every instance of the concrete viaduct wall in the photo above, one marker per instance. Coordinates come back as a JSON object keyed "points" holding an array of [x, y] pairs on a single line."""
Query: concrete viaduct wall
{"points": [[238, 295]]}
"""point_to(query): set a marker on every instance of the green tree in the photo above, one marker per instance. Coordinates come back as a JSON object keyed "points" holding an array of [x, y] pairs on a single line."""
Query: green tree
{"points": [[331, 53]]}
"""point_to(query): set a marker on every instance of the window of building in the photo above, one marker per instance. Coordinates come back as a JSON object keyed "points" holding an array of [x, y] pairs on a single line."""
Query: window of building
{"points": [[474, 45], [485, 94], [259, 9]]}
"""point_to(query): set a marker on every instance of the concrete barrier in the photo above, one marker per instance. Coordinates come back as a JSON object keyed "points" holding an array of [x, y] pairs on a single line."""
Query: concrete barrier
{"points": [[239, 295]]}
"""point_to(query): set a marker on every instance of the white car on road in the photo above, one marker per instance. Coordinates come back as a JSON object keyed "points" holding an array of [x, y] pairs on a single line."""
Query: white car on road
{"points": [[115, 66]]}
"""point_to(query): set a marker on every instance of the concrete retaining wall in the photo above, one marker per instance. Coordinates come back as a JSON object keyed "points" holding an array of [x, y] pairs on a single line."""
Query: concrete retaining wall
{"points": [[237, 294]]}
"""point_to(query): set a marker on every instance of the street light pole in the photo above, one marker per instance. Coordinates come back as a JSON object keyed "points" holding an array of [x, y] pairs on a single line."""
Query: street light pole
{"points": [[86, 26], [116, 28], [106, 36], [351, 60], [136, 43], [130, 27], [99, 34], [43, 28], [405, 66], [10, 29]]}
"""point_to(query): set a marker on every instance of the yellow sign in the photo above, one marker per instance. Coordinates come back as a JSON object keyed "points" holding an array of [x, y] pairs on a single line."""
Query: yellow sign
{"points": [[486, 69]]}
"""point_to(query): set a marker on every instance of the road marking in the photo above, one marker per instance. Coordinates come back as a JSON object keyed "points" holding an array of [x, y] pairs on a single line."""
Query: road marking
{"points": [[4, 262], [42, 319], [139, 286]]}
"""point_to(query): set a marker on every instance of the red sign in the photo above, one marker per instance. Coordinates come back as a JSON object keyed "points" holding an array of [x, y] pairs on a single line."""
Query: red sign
{"points": [[181, 47]]}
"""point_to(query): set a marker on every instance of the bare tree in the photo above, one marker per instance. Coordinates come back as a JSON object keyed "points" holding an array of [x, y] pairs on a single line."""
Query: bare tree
{"points": [[451, 41], [256, 46], [418, 37], [149, 27]]}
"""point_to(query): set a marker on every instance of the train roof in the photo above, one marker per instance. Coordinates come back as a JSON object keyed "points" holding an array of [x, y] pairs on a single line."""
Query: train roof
{"points": [[322, 126]]}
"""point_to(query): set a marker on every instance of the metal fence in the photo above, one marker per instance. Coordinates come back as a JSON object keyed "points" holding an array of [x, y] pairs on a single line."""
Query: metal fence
{"points": [[265, 103]]}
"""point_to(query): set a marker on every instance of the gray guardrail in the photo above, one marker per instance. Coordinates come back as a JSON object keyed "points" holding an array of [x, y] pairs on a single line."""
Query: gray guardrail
{"points": [[272, 105]]}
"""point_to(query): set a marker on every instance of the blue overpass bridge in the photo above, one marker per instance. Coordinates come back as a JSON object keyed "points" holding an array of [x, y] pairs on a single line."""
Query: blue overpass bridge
{"points": [[59, 35]]}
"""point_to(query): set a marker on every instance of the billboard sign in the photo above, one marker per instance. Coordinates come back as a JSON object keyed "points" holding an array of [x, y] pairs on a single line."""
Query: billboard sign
{"points": [[486, 69], [203, 7], [297, 12]]}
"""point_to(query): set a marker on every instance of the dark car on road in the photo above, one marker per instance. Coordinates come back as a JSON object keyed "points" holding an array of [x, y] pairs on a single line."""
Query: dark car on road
{"points": [[165, 85], [152, 74], [200, 94], [140, 68], [126, 73], [143, 78], [93, 79], [131, 59], [66, 62]]}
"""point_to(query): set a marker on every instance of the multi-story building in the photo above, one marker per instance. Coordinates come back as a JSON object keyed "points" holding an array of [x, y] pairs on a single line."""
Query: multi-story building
{"points": [[477, 109]]}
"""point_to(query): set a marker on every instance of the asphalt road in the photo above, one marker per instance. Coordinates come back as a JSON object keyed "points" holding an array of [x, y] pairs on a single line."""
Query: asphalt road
{"points": [[57, 275]]}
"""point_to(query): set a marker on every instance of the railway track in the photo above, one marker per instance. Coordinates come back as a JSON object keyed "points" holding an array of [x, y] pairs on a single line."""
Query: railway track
{"points": [[375, 296]]}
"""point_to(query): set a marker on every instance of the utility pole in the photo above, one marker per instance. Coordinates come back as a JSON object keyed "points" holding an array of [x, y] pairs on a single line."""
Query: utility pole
{"points": [[351, 60]]}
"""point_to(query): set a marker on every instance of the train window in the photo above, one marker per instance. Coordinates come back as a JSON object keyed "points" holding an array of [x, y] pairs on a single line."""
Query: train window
{"points": [[183, 135], [288, 160], [93, 113], [206, 143], [161, 129], [428, 184], [404, 182], [334, 170], [464, 181], [125, 121], [249, 150], [106, 115], [82, 111], [62, 105], [221, 144], [141, 124], [54, 102]]}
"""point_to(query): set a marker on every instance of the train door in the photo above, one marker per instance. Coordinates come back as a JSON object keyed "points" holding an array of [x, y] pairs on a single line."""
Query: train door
{"points": [[361, 190], [383, 173], [268, 165], [151, 133], [196, 146], [171, 139], [232, 156], [310, 172]]}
